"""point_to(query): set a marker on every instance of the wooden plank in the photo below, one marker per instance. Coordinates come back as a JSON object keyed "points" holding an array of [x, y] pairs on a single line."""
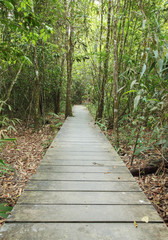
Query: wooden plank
{"points": [[51, 197], [76, 140], [80, 136], [82, 169], [72, 156], [81, 186], [53, 161], [83, 213], [83, 176], [80, 148], [83, 151], [79, 152], [80, 144], [83, 231]]}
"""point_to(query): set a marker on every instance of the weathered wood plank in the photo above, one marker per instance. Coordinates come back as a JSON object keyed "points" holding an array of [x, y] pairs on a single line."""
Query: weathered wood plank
{"points": [[83, 213], [76, 140], [82, 186], [50, 197], [82, 169], [77, 156], [83, 231], [80, 149], [83, 176], [53, 161]]}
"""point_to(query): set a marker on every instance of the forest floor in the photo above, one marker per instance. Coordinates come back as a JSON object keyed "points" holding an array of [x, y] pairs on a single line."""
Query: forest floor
{"points": [[24, 156], [154, 185]]}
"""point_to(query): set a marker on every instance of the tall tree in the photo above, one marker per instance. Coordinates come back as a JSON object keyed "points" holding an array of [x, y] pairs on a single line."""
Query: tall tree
{"points": [[106, 61], [115, 70], [69, 54]]}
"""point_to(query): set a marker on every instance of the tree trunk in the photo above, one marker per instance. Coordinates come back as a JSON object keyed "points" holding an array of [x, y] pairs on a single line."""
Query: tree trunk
{"points": [[100, 57], [115, 75], [57, 94], [36, 91], [106, 61], [70, 49]]}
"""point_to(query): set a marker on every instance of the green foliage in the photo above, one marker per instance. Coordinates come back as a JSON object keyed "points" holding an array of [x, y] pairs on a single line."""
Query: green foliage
{"points": [[4, 210], [102, 125], [5, 168]]}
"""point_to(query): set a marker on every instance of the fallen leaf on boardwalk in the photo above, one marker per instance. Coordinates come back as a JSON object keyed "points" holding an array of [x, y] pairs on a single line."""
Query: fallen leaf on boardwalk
{"points": [[52, 147], [106, 172], [135, 224], [145, 219]]}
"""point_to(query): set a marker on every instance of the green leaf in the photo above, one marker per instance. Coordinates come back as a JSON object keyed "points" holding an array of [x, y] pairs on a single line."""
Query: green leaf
{"points": [[152, 66], [9, 5], [153, 100], [45, 38], [34, 42], [119, 90], [4, 207], [4, 210], [141, 149], [2, 162], [3, 215], [28, 60], [136, 101], [130, 91], [7, 139], [161, 142], [143, 70]]}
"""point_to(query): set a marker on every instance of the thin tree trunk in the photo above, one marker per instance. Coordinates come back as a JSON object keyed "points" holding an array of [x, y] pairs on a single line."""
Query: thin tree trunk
{"points": [[106, 61], [100, 48], [122, 36], [115, 74], [11, 87], [36, 91], [57, 96], [70, 49]]}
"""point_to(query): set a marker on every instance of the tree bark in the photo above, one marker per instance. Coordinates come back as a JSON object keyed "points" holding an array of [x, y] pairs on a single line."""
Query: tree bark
{"points": [[36, 91], [69, 55], [115, 75], [100, 51], [57, 94], [106, 61]]}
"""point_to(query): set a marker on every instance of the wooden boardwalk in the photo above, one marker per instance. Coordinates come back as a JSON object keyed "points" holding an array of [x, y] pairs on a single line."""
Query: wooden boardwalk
{"points": [[82, 191]]}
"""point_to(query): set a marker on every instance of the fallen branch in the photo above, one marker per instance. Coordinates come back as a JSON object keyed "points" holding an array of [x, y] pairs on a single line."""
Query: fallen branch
{"points": [[143, 171]]}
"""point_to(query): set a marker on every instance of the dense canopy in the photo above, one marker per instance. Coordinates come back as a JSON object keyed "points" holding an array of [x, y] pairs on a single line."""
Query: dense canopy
{"points": [[111, 55]]}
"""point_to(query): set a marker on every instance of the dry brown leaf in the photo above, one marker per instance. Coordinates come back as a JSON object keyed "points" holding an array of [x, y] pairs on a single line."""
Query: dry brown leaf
{"points": [[135, 224]]}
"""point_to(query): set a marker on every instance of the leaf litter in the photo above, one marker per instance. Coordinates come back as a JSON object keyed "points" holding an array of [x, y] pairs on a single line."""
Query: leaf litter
{"points": [[154, 185], [23, 157]]}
